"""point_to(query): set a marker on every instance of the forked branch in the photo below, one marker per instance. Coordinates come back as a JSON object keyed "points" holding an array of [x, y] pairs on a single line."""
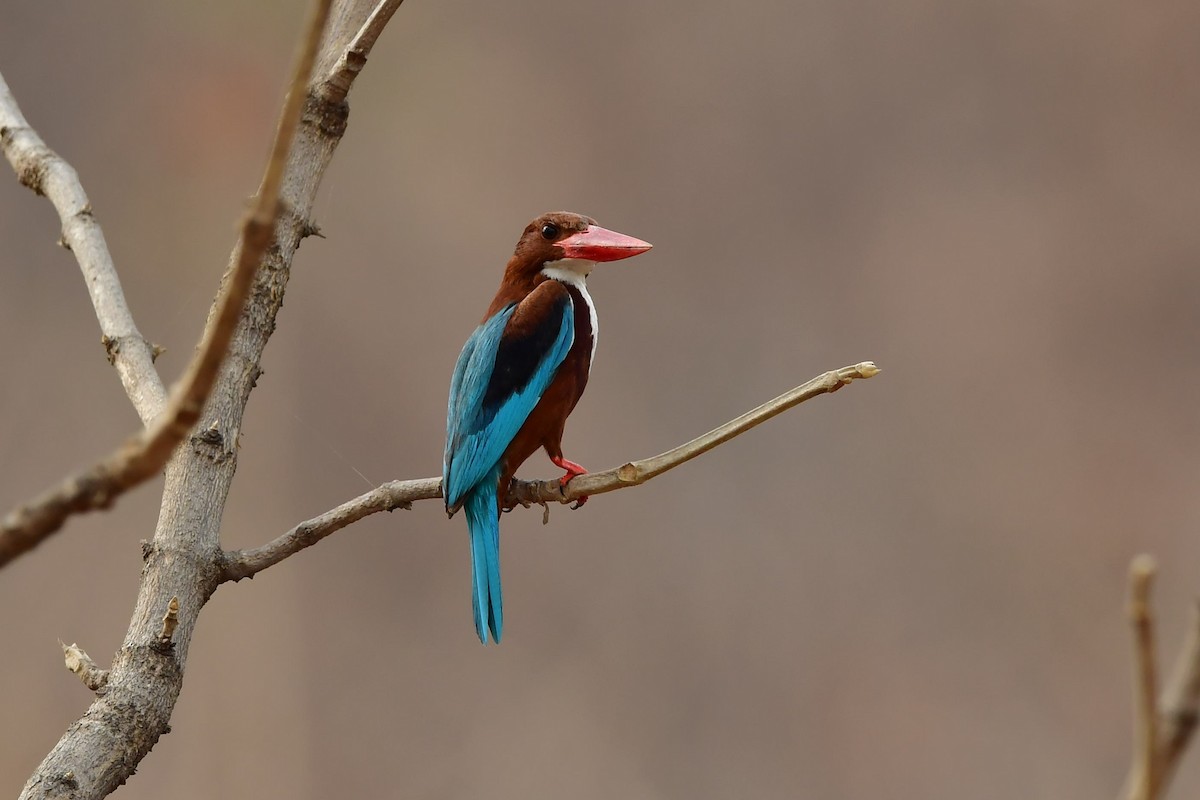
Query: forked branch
{"points": [[336, 83], [1162, 729], [1179, 706], [240, 564], [142, 456], [102, 749], [46, 173]]}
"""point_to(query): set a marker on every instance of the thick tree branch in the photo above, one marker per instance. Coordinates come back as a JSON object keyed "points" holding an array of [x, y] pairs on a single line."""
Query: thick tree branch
{"points": [[240, 564], [104, 747], [46, 173], [144, 455]]}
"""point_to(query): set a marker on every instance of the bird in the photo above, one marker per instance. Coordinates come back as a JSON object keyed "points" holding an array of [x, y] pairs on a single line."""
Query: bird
{"points": [[518, 377]]}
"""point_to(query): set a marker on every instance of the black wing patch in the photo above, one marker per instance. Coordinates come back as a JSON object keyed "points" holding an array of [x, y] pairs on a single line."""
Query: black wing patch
{"points": [[522, 348]]}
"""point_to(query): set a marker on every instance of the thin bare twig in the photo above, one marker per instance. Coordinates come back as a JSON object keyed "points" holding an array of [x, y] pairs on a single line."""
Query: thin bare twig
{"points": [[46, 173], [341, 75], [79, 662], [1180, 703], [247, 563], [1178, 714], [240, 564], [147, 452], [1145, 690]]}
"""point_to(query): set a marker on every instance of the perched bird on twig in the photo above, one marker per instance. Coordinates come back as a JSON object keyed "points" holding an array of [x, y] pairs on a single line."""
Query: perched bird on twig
{"points": [[517, 379]]}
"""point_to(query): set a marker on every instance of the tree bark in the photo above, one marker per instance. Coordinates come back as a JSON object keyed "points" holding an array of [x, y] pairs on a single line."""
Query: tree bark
{"points": [[103, 748]]}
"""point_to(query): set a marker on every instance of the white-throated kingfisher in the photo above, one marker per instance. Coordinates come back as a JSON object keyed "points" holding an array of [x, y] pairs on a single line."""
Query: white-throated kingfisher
{"points": [[518, 378]]}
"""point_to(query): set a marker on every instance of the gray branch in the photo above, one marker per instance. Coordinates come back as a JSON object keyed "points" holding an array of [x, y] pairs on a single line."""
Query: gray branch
{"points": [[101, 750], [144, 455], [401, 494], [46, 173]]}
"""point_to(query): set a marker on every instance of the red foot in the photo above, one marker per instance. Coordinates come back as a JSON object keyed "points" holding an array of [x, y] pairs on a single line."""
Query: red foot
{"points": [[571, 467], [573, 470]]}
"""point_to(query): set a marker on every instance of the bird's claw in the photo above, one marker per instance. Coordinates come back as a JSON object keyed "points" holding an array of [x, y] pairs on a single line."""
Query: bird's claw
{"points": [[562, 487], [573, 470]]}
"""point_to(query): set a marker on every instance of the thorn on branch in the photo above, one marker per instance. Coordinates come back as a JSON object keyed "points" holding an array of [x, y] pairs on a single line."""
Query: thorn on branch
{"points": [[81, 664], [170, 621]]}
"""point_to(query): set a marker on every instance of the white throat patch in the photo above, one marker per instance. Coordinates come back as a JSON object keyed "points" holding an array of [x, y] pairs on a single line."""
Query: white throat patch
{"points": [[574, 271], [568, 270]]}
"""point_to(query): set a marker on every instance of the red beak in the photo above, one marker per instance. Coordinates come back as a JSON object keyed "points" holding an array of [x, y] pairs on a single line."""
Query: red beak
{"points": [[599, 244]]}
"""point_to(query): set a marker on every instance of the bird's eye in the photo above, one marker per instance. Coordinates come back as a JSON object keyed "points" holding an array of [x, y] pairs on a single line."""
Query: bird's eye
{"points": [[550, 231]]}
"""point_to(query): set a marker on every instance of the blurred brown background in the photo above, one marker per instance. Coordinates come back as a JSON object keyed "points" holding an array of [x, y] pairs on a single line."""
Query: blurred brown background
{"points": [[913, 589]]}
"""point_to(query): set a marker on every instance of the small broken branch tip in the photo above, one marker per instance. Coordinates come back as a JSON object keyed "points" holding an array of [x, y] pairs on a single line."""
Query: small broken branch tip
{"points": [[88, 671], [170, 620]]}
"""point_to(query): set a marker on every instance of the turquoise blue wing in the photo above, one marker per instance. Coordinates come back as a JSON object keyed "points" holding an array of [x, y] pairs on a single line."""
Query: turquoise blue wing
{"points": [[502, 372]]}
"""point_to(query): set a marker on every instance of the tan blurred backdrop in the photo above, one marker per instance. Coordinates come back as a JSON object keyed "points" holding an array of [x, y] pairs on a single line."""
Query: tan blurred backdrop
{"points": [[912, 589]]}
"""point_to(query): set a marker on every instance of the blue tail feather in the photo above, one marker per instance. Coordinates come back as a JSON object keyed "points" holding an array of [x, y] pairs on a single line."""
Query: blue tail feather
{"points": [[483, 521]]}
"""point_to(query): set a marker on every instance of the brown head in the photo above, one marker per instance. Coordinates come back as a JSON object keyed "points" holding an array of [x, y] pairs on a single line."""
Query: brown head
{"points": [[572, 239]]}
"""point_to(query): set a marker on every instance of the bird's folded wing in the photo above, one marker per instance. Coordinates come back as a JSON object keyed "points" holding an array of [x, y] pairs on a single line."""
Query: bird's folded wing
{"points": [[502, 372]]}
